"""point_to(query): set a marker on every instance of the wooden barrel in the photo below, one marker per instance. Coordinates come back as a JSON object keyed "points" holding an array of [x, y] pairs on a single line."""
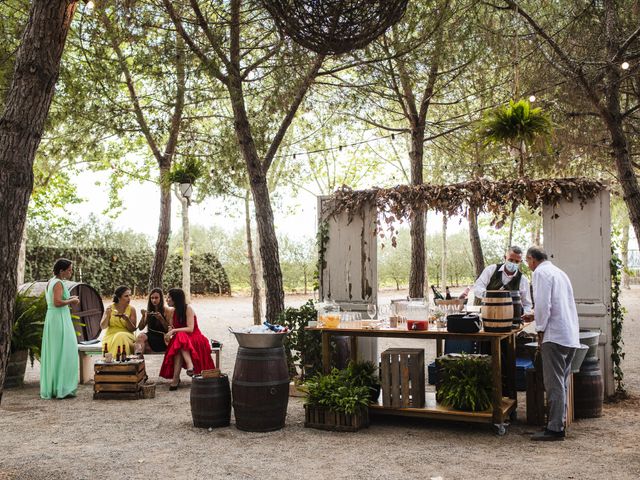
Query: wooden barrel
{"points": [[16, 366], [517, 306], [210, 401], [588, 390], [497, 311], [260, 389]]}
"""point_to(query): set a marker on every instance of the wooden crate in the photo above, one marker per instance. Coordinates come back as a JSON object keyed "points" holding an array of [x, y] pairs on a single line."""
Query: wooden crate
{"points": [[119, 381], [403, 379], [323, 419]]}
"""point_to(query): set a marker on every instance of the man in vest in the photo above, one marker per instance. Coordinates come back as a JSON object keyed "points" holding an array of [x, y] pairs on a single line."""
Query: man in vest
{"points": [[504, 276]]}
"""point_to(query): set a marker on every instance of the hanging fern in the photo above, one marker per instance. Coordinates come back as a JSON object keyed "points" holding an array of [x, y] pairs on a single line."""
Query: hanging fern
{"points": [[515, 122]]}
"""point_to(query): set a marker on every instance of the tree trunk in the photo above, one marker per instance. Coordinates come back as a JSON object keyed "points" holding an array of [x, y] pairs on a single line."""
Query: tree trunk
{"points": [[186, 250], [253, 275], [624, 253], [27, 105], [417, 230], [164, 231], [476, 244], [427, 288], [22, 257], [443, 265]]}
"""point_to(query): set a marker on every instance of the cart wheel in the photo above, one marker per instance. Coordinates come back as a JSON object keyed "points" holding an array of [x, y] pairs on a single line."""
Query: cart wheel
{"points": [[500, 429]]}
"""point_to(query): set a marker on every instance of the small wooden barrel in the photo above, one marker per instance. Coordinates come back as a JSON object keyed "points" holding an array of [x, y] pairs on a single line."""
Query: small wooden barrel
{"points": [[497, 311], [517, 306], [588, 390], [260, 389], [210, 401]]}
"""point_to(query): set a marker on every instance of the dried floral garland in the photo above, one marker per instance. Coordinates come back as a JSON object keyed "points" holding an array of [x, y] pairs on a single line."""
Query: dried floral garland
{"points": [[498, 198]]}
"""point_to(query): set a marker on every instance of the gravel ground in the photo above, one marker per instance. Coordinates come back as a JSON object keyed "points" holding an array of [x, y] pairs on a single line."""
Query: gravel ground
{"points": [[85, 439]]}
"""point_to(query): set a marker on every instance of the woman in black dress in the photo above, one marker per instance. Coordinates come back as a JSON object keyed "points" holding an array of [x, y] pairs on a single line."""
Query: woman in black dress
{"points": [[156, 318]]}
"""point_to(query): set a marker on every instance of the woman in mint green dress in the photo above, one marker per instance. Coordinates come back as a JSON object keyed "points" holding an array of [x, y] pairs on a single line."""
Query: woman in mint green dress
{"points": [[59, 353]]}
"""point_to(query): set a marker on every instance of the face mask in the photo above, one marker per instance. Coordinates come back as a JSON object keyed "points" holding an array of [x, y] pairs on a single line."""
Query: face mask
{"points": [[511, 267]]}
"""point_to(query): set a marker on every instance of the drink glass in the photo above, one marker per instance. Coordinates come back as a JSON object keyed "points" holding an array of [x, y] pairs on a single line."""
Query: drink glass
{"points": [[371, 310]]}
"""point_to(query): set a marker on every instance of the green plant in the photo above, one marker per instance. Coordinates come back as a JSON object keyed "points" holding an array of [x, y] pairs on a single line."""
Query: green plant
{"points": [[515, 125], [363, 374], [617, 319], [466, 383], [301, 347], [187, 172], [322, 238], [337, 393], [28, 324]]}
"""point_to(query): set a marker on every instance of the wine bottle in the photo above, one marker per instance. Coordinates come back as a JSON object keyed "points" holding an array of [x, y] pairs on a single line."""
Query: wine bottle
{"points": [[118, 354]]}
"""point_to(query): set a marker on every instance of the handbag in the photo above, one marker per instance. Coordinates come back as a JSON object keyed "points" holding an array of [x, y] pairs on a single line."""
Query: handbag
{"points": [[463, 323]]}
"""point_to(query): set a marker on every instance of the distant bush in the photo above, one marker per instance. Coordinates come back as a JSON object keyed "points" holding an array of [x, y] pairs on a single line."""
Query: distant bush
{"points": [[106, 268]]}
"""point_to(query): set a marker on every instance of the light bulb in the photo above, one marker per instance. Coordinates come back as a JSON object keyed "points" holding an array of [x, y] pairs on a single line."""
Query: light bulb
{"points": [[625, 65], [90, 5], [532, 98]]}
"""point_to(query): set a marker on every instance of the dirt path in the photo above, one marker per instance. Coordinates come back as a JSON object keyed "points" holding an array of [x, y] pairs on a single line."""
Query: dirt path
{"points": [[85, 439]]}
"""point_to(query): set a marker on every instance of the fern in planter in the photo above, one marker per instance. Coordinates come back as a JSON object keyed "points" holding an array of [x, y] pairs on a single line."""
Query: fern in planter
{"points": [[337, 393], [363, 374], [187, 172], [28, 324], [466, 383]]}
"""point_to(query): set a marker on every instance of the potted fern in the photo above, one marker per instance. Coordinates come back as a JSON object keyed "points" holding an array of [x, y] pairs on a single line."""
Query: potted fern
{"points": [[335, 403], [26, 335], [185, 175], [517, 126], [464, 382]]}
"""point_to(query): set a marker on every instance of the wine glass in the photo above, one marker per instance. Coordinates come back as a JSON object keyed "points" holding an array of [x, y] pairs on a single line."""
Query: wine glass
{"points": [[371, 310]]}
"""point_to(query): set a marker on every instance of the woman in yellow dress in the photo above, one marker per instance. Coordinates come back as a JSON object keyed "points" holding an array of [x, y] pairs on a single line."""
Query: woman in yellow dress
{"points": [[120, 322]]}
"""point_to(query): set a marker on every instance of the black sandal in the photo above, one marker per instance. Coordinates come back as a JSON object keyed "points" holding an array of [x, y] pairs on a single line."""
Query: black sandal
{"points": [[190, 372], [173, 388]]}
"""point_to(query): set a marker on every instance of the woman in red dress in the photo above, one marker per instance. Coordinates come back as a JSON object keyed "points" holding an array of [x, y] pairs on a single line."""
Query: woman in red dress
{"points": [[188, 347]]}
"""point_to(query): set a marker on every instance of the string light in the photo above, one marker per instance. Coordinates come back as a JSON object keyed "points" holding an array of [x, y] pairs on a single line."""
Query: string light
{"points": [[532, 98], [90, 5], [625, 65]]}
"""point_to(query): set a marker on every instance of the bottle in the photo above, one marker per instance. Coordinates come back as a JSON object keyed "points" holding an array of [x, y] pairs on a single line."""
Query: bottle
{"points": [[436, 294], [448, 293], [465, 294], [106, 350], [118, 354]]}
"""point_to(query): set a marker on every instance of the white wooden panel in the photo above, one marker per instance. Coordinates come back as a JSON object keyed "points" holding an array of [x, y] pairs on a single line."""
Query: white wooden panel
{"points": [[578, 240], [351, 257], [351, 275]]}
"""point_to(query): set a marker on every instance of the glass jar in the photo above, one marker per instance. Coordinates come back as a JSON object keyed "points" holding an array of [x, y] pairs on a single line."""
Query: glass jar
{"points": [[328, 314]]}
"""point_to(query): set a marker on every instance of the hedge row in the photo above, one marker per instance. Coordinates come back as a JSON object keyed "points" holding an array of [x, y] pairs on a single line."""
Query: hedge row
{"points": [[106, 268]]}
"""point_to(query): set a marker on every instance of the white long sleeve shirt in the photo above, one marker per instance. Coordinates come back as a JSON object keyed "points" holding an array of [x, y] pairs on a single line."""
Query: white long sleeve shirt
{"points": [[480, 287], [555, 307]]}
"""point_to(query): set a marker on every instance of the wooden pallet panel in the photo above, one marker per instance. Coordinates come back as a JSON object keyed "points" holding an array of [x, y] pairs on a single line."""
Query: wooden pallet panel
{"points": [[133, 366], [119, 378], [116, 396], [117, 387]]}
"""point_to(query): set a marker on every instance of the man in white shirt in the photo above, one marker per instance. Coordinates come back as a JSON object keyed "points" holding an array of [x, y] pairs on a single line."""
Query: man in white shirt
{"points": [[505, 276], [558, 336]]}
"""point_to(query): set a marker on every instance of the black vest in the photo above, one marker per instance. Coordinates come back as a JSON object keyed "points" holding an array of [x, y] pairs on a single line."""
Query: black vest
{"points": [[496, 281]]}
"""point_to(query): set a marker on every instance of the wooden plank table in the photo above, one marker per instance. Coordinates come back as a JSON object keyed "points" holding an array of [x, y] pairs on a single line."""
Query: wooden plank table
{"points": [[502, 406]]}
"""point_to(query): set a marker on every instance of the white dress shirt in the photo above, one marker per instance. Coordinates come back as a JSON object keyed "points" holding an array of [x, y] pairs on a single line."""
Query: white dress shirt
{"points": [[480, 287], [555, 306]]}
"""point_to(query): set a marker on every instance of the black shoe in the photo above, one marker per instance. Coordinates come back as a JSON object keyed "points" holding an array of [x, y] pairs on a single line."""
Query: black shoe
{"points": [[548, 436], [173, 388]]}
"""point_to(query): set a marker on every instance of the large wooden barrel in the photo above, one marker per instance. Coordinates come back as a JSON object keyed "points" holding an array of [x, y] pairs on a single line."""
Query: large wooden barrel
{"points": [[16, 366], [210, 401], [497, 311], [260, 389], [588, 390], [517, 306]]}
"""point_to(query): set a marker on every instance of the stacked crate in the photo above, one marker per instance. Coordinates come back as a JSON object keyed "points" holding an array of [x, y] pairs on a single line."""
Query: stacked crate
{"points": [[403, 378], [119, 380]]}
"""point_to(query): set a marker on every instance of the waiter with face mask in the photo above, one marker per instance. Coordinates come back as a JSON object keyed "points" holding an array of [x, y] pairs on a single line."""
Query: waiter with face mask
{"points": [[504, 276]]}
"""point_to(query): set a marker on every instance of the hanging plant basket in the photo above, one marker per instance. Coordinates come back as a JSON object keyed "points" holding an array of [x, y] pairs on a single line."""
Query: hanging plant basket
{"points": [[332, 27]]}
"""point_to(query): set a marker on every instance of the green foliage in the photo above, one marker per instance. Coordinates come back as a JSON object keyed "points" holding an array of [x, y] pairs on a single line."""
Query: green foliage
{"points": [[188, 171], [617, 319], [337, 392], [515, 122], [322, 238], [466, 383], [104, 268], [28, 324], [302, 347], [363, 374]]}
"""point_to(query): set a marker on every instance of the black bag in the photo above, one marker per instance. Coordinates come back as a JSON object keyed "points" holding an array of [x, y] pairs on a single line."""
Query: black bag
{"points": [[463, 323]]}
